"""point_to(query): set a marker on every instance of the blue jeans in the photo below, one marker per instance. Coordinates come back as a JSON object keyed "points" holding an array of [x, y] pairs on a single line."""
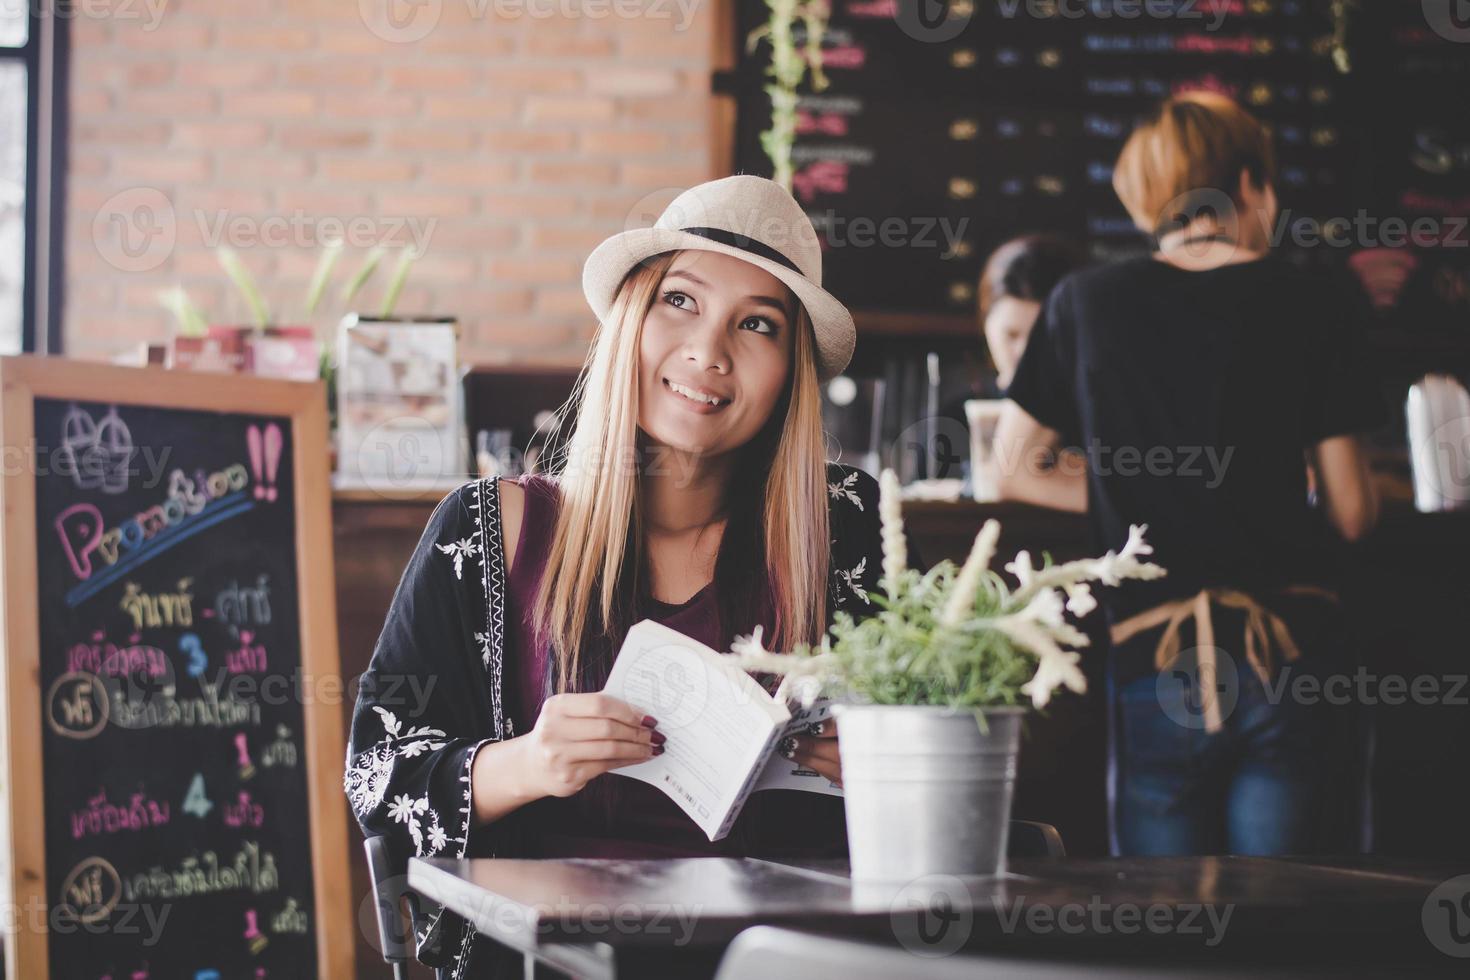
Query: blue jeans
{"points": [[1256, 786]]}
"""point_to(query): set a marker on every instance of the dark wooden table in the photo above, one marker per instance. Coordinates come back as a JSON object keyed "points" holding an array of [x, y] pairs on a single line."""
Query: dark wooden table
{"points": [[598, 918]]}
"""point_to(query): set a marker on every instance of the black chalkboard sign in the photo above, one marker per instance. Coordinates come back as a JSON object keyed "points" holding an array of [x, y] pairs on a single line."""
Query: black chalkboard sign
{"points": [[179, 797], [996, 119]]}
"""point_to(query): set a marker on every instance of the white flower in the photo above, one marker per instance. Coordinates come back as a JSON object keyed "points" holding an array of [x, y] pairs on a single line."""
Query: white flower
{"points": [[437, 838], [749, 645], [367, 778], [401, 809], [459, 550], [1080, 600], [1111, 569], [390, 720], [890, 513], [1135, 544], [411, 749], [844, 489], [1020, 566], [962, 598], [1055, 670], [803, 673], [1046, 608], [1032, 620], [1055, 666], [853, 579]]}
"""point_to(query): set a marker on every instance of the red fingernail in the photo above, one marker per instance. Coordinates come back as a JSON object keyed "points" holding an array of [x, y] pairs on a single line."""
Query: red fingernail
{"points": [[658, 750], [658, 738], [649, 721]]}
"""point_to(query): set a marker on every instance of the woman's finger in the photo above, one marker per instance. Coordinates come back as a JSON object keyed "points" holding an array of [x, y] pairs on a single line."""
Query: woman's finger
{"points": [[819, 761], [596, 705], [819, 755], [815, 749], [826, 728], [830, 771], [605, 729], [603, 750]]}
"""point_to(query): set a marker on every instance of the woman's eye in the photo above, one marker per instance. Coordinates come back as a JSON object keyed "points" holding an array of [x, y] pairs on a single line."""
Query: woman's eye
{"points": [[758, 324], [678, 300]]}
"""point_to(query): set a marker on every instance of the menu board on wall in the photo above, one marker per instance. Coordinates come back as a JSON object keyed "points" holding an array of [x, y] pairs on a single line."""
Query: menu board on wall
{"points": [[1413, 253], [991, 120], [180, 776]]}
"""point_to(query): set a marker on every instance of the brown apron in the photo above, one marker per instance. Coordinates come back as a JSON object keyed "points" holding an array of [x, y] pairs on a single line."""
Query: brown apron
{"points": [[1265, 634]]}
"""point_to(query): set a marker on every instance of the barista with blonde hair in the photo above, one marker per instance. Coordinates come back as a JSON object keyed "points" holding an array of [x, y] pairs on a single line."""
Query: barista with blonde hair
{"points": [[1200, 380]]}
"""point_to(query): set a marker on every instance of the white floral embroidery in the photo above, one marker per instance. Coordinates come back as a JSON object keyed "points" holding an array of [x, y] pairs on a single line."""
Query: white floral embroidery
{"points": [[367, 778], [853, 579], [406, 810], [459, 550], [485, 649], [402, 809], [844, 490]]}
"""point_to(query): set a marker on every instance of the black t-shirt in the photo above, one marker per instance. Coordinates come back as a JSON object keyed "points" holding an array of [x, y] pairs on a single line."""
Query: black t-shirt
{"points": [[1194, 396]]}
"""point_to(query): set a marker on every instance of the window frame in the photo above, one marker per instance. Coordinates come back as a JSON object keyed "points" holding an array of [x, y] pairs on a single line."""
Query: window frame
{"points": [[44, 57]]}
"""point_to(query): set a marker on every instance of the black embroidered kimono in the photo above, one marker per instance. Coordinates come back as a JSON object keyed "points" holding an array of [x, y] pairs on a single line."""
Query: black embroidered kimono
{"points": [[435, 690]]}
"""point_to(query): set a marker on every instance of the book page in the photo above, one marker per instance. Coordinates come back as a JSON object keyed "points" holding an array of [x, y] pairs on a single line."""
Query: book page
{"points": [[717, 718], [782, 773]]}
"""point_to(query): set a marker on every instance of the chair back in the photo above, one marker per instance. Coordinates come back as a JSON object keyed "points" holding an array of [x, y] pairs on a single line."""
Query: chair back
{"points": [[390, 891]]}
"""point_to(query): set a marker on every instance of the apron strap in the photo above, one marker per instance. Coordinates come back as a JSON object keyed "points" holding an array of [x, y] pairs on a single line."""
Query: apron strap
{"points": [[1265, 635]]}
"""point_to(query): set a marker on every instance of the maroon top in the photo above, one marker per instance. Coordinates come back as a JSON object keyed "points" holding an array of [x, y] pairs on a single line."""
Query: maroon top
{"points": [[615, 816]]}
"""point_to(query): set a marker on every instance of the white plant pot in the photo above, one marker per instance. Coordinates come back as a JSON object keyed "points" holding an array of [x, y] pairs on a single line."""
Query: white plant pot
{"points": [[927, 791]]}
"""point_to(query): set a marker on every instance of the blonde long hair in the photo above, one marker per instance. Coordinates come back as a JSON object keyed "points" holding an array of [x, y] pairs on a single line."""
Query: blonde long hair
{"points": [[596, 559]]}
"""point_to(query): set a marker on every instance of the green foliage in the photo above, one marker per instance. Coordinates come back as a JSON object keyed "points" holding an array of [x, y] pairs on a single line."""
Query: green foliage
{"points": [[903, 655], [789, 65]]}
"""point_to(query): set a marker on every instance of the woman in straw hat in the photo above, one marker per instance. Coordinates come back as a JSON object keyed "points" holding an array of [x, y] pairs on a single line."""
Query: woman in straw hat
{"points": [[691, 487]]}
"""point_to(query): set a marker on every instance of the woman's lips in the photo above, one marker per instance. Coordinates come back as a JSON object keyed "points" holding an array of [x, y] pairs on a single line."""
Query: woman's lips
{"points": [[694, 404]]}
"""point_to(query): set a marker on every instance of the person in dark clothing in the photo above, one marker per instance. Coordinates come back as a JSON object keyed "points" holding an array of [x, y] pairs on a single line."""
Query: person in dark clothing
{"points": [[1016, 279], [693, 490], [1199, 382]]}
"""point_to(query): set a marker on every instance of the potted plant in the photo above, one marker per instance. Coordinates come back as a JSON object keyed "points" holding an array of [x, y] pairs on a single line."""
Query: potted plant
{"points": [[266, 347], [933, 689]]}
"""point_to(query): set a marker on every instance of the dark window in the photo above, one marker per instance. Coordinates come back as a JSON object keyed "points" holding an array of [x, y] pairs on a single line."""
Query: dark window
{"points": [[32, 99]]}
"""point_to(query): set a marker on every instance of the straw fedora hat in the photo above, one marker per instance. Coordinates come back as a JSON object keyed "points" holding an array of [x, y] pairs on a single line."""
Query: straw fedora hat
{"points": [[750, 218]]}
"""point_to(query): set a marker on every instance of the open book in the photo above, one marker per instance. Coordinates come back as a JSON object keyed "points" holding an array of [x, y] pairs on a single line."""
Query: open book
{"points": [[723, 728]]}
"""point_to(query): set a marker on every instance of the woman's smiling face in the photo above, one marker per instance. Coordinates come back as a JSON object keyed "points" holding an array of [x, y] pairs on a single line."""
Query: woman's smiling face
{"points": [[715, 353]]}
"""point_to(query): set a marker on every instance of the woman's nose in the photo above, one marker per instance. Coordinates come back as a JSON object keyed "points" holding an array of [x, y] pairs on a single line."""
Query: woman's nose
{"points": [[706, 347]]}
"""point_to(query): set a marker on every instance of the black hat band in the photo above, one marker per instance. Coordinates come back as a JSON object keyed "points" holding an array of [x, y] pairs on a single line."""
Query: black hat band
{"points": [[745, 244]]}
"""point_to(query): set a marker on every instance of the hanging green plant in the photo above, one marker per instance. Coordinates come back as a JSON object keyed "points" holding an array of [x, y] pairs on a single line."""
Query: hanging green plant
{"points": [[789, 66]]}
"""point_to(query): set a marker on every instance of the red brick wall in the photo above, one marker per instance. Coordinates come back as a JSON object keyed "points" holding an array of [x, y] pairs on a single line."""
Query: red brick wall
{"points": [[516, 134]]}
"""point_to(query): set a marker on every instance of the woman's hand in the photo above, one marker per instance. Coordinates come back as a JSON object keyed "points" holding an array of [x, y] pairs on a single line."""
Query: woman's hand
{"points": [[816, 750], [579, 736]]}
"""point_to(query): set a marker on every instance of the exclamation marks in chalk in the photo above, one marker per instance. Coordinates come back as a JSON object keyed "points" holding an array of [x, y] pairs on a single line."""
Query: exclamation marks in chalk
{"points": [[265, 458]]}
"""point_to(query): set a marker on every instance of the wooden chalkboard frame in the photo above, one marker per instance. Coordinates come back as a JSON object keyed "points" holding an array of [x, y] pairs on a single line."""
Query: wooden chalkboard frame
{"points": [[25, 378]]}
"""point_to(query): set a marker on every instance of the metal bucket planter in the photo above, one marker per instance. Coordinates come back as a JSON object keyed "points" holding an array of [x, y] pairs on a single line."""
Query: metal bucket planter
{"points": [[927, 792]]}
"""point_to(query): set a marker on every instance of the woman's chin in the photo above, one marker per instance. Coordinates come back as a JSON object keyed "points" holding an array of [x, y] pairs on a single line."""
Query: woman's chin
{"points": [[688, 439]]}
